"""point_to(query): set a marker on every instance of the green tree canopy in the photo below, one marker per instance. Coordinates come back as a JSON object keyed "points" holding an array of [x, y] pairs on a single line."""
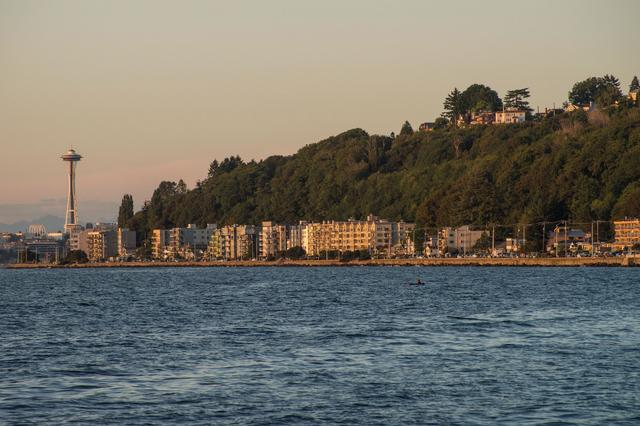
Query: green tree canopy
{"points": [[635, 85], [126, 211], [406, 129], [517, 99], [453, 106], [479, 97], [604, 91]]}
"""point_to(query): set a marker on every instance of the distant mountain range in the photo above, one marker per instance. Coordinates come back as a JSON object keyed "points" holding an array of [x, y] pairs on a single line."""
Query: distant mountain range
{"points": [[52, 223]]}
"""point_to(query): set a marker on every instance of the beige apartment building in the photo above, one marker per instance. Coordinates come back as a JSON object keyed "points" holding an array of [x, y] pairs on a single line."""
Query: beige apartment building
{"points": [[627, 233], [373, 235], [101, 244], [233, 242], [272, 239], [160, 241], [181, 243], [460, 239]]}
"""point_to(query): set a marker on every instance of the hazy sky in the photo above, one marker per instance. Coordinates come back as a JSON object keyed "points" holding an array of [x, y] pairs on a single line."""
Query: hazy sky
{"points": [[154, 90]]}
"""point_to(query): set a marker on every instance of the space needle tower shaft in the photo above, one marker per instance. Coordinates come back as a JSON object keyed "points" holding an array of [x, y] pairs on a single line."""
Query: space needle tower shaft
{"points": [[71, 217]]}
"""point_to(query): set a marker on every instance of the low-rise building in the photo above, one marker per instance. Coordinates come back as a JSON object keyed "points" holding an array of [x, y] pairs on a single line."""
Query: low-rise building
{"points": [[427, 127], [563, 239], [514, 245], [588, 107], [482, 117], [41, 251]]}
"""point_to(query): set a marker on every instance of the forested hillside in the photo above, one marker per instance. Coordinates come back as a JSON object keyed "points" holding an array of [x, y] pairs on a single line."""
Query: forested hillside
{"points": [[578, 166]]}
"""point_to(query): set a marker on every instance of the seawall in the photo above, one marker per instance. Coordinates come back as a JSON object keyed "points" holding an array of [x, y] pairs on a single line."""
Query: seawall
{"points": [[468, 261]]}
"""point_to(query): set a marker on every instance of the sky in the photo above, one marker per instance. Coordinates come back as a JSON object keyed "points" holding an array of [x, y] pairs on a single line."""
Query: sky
{"points": [[155, 90]]}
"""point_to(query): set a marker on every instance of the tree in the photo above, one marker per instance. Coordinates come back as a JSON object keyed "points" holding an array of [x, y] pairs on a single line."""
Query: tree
{"points": [[75, 256], [453, 106], [296, 252], [635, 85], [479, 97], [213, 168], [406, 129], [126, 211], [609, 91], [516, 99], [440, 123], [181, 188], [604, 91], [483, 244]]}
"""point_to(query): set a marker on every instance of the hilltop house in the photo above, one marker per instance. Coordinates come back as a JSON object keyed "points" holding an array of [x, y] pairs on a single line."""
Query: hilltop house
{"points": [[427, 127], [510, 116]]}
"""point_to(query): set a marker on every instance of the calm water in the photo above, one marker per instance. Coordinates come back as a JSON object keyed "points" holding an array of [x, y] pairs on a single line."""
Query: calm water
{"points": [[320, 345]]}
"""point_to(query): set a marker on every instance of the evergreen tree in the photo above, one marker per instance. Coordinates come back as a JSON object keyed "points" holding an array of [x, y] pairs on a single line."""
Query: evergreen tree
{"points": [[635, 85], [213, 168], [516, 99], [126, 211], [406, 129], [453, 106]]}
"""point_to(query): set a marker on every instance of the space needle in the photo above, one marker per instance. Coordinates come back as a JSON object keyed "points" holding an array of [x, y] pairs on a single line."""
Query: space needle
{"points": [[71, 218]]}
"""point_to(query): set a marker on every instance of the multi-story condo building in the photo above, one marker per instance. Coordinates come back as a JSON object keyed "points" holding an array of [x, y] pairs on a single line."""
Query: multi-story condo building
{"points": [[272, 239], [160, 242], [233, 242], [186, 243], [101, 244], [627, 233], [373, 235], [461, 239], [294, 238], [126, 242]]}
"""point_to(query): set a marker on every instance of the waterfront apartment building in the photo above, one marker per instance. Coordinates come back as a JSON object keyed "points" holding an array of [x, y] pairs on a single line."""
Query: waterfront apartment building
{"points": [[160, 242], [460, 239], [126, 242], [101, 244], [294, 237], [190, 242], [627, 233], [373, 235], [272, 239], [233, 242]]}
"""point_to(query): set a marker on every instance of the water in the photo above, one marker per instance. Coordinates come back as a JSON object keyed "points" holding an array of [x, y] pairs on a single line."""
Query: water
{"points": [[320, 345]]}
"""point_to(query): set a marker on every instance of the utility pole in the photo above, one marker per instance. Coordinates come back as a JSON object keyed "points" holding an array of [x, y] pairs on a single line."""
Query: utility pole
{"points": [[565, 238], [493, 240], [524, 239], [593, 247], [544, 231]]}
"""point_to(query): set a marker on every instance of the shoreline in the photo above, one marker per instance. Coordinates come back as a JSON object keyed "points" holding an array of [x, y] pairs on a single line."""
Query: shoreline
{"points": [[475, 262]]}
